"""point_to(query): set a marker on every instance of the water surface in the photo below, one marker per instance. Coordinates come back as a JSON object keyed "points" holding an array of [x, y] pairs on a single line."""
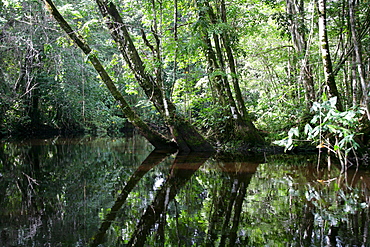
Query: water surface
{"points": [[117, 192]]}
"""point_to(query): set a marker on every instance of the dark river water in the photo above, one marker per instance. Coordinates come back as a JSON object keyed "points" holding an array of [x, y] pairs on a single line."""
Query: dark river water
{"points": [[117, 192]]}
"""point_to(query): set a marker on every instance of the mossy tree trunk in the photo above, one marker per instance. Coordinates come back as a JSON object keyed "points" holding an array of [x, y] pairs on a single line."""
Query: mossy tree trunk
{"points": [[232, 64], [325, 53], [239, 125], [155, 138], [186, 136]]}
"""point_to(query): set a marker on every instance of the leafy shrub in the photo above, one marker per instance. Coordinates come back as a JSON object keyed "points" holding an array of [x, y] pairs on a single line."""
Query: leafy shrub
{"points": [[329, 128]]}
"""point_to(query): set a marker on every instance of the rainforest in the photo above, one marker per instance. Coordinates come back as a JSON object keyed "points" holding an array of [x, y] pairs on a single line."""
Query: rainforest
{"points": [[173, 105], [193, 76]]}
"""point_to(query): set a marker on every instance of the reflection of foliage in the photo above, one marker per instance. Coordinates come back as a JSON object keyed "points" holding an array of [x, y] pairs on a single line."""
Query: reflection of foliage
{"points": [[335, 208], [187, 217], [281, 210], [275, 211], [270, 206], [61, 186], [287, 200]]}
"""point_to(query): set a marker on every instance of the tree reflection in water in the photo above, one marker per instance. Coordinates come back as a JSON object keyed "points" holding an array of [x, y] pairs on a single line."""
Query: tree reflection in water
{"points": [[95, 192], [180, 172], [152, 160], [227, 200]]}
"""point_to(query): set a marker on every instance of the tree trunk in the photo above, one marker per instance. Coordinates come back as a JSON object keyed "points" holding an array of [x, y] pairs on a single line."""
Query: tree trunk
{"points": [[240, 125], [324, 44], [356, 89], [186, 136], [218, 64], [295, 9], [232, 66], [358, 57], [155, 138]]}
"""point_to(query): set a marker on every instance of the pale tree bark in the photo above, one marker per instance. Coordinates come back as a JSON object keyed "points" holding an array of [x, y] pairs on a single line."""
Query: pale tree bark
{"points": [[176, 38], [325, 53], [356, 88], [186, 136], [358, 57], [295, 9], [155, 138]]}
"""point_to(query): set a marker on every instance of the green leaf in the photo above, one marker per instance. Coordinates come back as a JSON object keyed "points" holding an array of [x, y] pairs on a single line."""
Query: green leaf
{"points": [[315, 106], [333, 102], [308, 130], [324, 97], [293, 132], [332, 128]]}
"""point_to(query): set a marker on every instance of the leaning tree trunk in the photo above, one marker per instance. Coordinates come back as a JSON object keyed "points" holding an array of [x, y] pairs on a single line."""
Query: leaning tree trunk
{"points": [[328, 67], [186, 136], [155, 138]]}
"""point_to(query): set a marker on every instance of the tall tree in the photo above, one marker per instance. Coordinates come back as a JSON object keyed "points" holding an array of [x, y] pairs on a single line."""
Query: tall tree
{"points": [[22, 62], [155, 138], [296, 13], [186, 136], [358, 56], [325, 52], [215, 46]]}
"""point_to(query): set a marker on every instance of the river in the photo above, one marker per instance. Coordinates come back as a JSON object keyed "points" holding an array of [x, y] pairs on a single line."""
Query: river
{"points": [[92, 191]]}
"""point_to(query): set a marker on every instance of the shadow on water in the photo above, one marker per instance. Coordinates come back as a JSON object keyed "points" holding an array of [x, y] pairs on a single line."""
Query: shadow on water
{"points": [[100, 192]]}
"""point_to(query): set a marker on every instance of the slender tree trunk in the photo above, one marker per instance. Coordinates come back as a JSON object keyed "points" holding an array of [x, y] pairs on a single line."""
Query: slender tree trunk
{"points": [[240, 124], [186, 136], [214, 77], [326, 59], [232, 65], [347, 84], [219, 64], [295, 9], [176, 38], [26, 84], [356, 89], [156, 139], [358, 57]]}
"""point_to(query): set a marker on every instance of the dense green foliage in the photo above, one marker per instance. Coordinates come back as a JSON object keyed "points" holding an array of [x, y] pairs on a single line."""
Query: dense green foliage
{"points": [[262, 61]]}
